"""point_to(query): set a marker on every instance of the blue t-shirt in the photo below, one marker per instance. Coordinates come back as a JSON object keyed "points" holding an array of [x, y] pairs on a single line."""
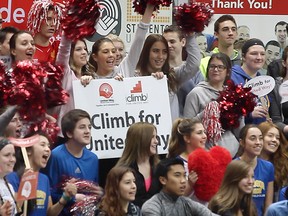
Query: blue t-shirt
{"points": [[282, 194], [63, 164], [263, 174], [278, 209], [43, 192]]}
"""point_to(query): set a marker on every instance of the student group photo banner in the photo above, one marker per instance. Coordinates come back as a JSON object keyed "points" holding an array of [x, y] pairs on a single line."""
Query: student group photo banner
{"points": [[115, 105]]}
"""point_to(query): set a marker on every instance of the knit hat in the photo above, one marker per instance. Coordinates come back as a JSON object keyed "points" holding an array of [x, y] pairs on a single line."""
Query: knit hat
{"points": [[249, 43]]}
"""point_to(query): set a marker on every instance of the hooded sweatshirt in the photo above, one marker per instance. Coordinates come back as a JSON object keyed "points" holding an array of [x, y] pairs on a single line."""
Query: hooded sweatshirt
{"points": [[239, 76], [195, 104]]}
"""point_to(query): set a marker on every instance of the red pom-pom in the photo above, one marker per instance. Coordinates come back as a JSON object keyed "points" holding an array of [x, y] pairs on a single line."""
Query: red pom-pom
{"points": [[26, 87], [80, 18], [54, 93], [140, 5], [235, 101], [88, 206], [211, 122], [210, 168], [193, 17]]}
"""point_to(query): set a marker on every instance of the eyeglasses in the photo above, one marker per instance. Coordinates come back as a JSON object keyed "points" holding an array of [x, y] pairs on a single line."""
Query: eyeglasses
{"points": [[219, 67]]}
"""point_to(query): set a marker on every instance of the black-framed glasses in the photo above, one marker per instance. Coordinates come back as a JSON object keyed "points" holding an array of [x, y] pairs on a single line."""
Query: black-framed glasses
{"points": [[219, 67]]}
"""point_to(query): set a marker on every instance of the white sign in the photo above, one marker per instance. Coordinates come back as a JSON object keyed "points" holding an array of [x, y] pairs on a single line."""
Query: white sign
{"points": [[6, 61], [115, 105], [283, 91], [261, 85]]}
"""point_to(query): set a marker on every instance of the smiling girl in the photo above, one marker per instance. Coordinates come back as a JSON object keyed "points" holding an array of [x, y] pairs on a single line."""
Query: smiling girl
{"points": [[22, 47], [72, 56], [102, 61], [275, 150], [7, 162], [140, 153], [251, 145], [234, 197], [120, 192], [253, 59], [186, 136], [154, 61], [38, 156]]}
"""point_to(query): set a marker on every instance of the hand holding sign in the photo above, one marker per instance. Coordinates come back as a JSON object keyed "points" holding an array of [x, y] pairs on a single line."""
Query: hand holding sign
{"points": [[261, 86]]}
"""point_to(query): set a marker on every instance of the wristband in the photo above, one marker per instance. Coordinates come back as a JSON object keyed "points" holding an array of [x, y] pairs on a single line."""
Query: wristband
{"points": [[66, 198]]}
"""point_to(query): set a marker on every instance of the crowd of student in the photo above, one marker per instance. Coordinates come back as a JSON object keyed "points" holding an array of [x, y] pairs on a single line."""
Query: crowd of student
{"points": [[139, 182]]}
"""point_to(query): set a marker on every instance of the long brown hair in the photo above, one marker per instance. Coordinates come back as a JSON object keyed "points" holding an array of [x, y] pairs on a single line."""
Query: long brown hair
{"points": [[180, 128], [142, 65], [137, 144], [280, 157], [110, 203], [92, 64], [228, 196]]}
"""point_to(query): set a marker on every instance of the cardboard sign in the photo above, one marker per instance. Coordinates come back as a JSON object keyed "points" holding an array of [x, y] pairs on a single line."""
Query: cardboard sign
{"points": [[115, 105], [261, 85], [28, 186], [26, 142], [283, 91]]}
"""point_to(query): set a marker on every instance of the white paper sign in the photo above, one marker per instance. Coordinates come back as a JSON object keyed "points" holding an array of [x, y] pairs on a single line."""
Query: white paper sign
{"points": [[283, 91], [261, 85], [6, 61], [115, 105]]}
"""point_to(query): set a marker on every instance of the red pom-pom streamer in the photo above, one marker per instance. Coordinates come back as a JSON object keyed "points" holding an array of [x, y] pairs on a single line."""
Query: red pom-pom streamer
{"points": [[193, 17], [88, 206], [235, 101], [140, 5], [80, 18], [210, 168], [26, 87], [211, 122]]}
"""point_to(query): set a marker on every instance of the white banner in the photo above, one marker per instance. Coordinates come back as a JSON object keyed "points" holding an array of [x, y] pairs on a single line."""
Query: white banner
{"points": [[115, 105]]}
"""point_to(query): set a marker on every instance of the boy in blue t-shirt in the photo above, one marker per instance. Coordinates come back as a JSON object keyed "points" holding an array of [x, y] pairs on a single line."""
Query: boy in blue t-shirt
{"points": [[72, 159]]}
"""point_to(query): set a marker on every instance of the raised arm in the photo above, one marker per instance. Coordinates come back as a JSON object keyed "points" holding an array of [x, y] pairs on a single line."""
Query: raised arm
{"points": [[63, 54], [128, 65], [189, 68], [6, 117]]}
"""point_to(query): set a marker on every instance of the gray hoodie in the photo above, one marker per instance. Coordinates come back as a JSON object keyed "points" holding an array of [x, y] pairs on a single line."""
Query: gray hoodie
{"points": [[196, 102]]}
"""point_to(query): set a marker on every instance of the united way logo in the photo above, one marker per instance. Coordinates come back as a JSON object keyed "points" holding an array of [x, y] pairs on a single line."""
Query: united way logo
{"points": [[110, 19], [105, 90]]}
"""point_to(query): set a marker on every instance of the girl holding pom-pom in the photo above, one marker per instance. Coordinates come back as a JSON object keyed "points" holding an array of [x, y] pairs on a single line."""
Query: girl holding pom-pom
{"points": [[218, 72]]}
